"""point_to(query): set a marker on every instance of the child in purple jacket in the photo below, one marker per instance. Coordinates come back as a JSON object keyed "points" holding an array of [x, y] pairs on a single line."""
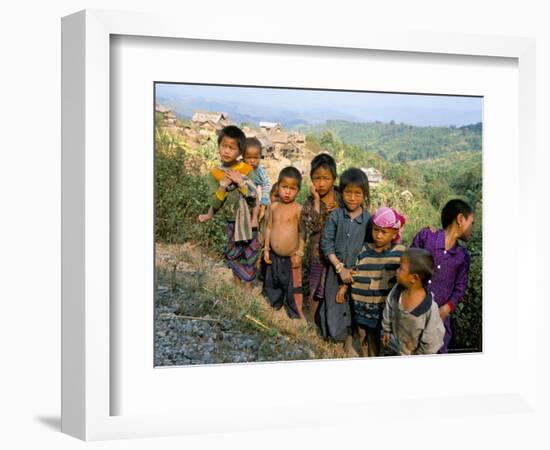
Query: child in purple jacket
{"points": [[451, 260]]}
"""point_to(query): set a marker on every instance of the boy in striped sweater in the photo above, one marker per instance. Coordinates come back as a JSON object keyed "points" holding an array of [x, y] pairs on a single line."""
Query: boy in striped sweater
{"points": [[375, 276]]}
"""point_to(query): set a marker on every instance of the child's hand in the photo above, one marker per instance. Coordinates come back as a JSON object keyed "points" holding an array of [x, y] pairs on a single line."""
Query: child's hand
{"points": [[225, 182], [341, 294], [267, 259], [206, 217], [296, 261], [254, 222], [346, 275], [235, 177], [314, 192], [444, 311], [386, 339], [331, 206]]}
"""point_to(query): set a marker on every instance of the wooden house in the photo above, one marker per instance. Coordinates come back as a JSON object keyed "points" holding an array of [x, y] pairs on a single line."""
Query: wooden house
{"points": [[211, 120]]}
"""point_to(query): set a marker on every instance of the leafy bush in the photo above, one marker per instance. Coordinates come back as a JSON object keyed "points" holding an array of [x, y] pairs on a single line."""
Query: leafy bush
{"points": [[180, 197], [466, 323], [418, 212]]}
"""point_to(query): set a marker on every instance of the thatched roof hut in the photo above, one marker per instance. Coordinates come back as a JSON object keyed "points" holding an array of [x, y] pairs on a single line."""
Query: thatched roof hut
{"points": [[159, 108], [271, 126], [374, 175], [278, 137], [216, 120]]}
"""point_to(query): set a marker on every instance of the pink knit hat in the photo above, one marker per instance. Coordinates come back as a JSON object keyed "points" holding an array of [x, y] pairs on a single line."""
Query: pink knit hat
{"points": [[389, 218]]}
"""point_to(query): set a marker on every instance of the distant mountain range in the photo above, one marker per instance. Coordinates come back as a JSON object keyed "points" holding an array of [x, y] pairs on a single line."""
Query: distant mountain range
{"points": [[186, 106], [391, 139]]}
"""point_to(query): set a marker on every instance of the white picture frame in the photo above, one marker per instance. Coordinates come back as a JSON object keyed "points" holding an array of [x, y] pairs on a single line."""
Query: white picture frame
{"points": [[87, 328]]}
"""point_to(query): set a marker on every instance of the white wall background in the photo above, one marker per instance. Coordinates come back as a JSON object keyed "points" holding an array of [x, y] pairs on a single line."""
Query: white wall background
{"points": [[30, 225]]}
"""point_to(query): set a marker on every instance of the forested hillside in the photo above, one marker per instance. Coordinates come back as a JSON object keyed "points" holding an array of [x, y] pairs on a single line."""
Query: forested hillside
{"points": [[400, 142]]}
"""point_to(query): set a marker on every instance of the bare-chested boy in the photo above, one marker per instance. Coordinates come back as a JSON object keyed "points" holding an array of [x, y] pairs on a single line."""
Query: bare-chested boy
{"points": [[284, 246]]}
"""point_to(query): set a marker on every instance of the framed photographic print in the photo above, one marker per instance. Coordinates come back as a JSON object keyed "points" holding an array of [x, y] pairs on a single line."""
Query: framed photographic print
{"points": [[156, 336], [219, 301]]}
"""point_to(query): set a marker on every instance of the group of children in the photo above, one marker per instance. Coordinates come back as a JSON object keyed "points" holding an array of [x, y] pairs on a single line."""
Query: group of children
{"points": [[363, 283]]}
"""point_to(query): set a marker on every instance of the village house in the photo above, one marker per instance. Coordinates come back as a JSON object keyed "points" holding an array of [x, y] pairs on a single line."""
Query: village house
{"points": [[161, 109], [278, 143], [210, 120], [297, 138], [267, 145], [374, 176], [271, 127], [168, 116]]}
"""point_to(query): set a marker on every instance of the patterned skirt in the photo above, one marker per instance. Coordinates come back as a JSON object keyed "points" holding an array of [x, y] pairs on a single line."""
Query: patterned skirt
{"points": [[241, 257]]}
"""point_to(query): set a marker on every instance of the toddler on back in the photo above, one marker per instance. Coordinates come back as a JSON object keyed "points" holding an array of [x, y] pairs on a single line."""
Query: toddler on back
{"points": [[252, 155]]}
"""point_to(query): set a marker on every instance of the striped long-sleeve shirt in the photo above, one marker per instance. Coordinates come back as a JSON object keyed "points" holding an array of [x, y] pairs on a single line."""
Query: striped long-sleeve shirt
{"points": [[375, 273], [262, 180]]}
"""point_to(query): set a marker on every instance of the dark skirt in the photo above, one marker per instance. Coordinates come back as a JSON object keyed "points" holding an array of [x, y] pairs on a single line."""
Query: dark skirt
{"points": [[334, 318]]}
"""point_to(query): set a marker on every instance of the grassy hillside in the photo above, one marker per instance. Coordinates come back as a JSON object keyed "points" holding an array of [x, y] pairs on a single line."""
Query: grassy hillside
{"points": [[400, 142]]}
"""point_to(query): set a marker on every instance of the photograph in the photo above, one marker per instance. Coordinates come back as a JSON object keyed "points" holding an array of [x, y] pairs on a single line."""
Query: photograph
{"points": [[300, 224]]}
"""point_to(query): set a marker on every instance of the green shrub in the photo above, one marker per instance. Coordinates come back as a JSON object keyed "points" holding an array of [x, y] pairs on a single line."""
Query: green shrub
{"points": [[180, 197], [466, 322]]}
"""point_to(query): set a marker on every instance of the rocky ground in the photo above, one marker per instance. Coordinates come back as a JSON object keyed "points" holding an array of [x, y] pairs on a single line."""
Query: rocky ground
{"points": [[196, 326]]}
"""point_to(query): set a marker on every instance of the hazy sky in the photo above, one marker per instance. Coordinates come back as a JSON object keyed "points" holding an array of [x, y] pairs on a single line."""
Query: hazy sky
{"points": [[358, 106]]}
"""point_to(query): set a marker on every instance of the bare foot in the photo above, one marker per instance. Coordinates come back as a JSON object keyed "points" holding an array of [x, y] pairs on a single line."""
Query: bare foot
{"points": [[364, 349], [256, 290], [363, 341], [348, 348]]}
